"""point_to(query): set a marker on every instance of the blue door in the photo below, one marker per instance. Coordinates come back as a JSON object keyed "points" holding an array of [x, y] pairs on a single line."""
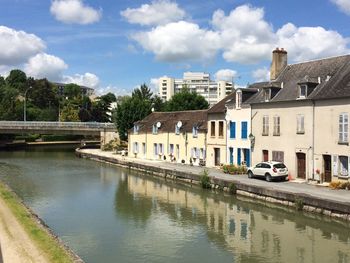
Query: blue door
{"points": [[231, 155], [247, 156], [239, 156]]}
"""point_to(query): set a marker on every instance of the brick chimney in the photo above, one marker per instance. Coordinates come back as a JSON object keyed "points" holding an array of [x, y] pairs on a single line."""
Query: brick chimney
{"points": [[279, 62]]}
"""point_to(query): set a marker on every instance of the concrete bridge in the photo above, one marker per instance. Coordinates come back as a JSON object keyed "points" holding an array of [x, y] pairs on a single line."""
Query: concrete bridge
{"points": [[107, 131]]}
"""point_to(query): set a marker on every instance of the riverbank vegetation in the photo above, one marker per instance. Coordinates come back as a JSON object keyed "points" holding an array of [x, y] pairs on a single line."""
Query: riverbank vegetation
{"points": [[54, 251]]}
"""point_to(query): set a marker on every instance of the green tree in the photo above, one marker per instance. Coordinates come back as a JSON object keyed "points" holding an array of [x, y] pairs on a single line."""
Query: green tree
{"points": [[72, 91], [186, 100], [70, 113], [17, 79], [101, 107]]}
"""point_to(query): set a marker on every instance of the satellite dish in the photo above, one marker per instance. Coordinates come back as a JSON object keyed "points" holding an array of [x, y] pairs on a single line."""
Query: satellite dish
{"points": [[159, 124], [179, 124]]}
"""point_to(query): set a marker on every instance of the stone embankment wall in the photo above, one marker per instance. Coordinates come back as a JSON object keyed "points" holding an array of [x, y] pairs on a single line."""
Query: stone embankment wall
{"points": [[300, 201]]}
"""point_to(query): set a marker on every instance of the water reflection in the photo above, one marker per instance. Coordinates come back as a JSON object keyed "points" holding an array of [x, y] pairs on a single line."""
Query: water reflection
{"points": [[254, 233]]}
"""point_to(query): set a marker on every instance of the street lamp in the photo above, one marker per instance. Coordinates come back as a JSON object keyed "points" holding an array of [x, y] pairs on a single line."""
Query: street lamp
{"points": [[25, 104]]}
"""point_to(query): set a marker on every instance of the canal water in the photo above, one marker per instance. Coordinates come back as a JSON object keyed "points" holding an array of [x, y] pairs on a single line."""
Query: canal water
{"points": [[109, 214]]}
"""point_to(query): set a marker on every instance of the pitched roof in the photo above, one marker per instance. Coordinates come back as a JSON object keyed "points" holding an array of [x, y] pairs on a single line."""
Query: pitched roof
{"points": [[168, 121], [323, 73], [220, 106]]}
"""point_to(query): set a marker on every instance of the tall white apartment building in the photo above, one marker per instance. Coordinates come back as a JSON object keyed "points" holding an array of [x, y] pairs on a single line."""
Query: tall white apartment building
{"points": [[199, 82]]}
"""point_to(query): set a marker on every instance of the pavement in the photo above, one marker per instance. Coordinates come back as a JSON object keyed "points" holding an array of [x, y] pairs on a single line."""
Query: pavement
{"points": [[293, 186]]}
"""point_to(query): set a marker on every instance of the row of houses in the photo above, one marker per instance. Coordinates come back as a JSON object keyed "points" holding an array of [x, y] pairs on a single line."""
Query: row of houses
{"points": [[299, 117]]}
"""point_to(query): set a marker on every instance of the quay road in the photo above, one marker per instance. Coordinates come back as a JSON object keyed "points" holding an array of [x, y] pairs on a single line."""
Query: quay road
{"points": [[318, 196]]}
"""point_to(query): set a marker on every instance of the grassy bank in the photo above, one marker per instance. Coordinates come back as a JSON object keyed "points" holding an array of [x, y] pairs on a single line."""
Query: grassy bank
{"points": [[54, 251]]}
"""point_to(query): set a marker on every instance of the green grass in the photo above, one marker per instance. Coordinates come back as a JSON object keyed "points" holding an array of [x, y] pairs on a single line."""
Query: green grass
{"points": [[54, 251]]}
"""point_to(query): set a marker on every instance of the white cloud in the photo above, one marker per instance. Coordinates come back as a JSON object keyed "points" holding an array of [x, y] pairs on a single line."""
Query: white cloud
{"points": [[74, 12], [18, 46], [226, 75], [157, 13], [45, 66], [113, 89], [343, 5], [88, 79], [154, 82], [242, 36], [261, 74], [305, 43], [245, 36], [179, 41]]}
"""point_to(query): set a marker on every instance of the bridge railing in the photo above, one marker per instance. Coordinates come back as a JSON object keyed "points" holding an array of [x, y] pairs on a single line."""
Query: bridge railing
{"points": [[49, 124]]}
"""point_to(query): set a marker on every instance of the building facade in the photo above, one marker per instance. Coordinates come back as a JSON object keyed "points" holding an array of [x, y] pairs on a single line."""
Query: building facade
{"points": [[238, 122], [296, 121], [199, 82], [178, 137]]}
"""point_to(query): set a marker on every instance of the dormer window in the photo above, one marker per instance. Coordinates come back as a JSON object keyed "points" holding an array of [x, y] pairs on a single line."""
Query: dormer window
{"points": [[302, 91], [136, 128], [195, 131], [267, 94], [238, 100], [155, 129], [177, 129]]}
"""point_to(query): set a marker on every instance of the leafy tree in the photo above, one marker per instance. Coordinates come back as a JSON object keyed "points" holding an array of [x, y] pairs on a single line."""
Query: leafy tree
{"points": [[69, 113], [72, 91], [101, 108], [186, 100], [17, 80], [142, 93]]}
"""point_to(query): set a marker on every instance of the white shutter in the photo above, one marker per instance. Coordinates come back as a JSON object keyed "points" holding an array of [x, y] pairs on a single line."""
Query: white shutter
{"points": [[334, 164]]}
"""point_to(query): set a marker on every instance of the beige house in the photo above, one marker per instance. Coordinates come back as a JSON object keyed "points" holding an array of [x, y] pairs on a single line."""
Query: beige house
{"points": [[217, 133], [289, 117], [332, 109], [238, 122], [170, 136]]}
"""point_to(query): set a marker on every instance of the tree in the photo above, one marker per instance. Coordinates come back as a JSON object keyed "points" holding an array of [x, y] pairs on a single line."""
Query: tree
{"points": [[17, 80], [101, 110], [186, 100], [143, 93], [72, 91]]}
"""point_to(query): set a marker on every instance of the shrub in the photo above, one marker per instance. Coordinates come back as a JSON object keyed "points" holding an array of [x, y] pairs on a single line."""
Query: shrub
{"points": [[225, 169], [232, 169], [335, 185], [232, 189], [299, 203], [205, 180]]}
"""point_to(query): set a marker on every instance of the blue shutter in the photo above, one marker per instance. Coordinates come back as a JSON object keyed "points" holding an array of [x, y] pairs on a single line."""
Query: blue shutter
{"points": [[231, 155], [232, 130], [248, 157], [244, 130], [239, 156]]}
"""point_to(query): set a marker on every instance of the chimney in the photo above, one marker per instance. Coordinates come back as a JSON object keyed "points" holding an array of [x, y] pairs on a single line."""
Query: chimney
{"points": [[279, 62]]}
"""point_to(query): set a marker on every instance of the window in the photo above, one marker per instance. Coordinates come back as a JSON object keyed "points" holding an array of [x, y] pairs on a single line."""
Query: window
{"points": [[302, 91], [136, 128], [276, 126], [267, 94], [343, 128], [135, 147], [154, 128], [232, 130], [171, 149], [177, 129], [278, 156], [265, 125], [221, 129], [160, 148], [202, 153], [238, 100], [144, 148], [300, 124], [244, 131], [212, 129], [155, 149], [195, 131], [343, 165]]}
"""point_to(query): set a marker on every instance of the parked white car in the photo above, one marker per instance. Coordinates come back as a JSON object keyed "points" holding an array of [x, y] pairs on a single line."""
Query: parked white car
{"points": [[269, 170]]}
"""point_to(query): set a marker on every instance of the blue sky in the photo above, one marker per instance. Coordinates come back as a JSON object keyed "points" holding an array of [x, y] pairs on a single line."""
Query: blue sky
{"points": [[117, 45]]}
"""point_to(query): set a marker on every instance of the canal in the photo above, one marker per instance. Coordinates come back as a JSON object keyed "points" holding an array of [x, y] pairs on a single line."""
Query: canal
{"points": [[109, 214]]}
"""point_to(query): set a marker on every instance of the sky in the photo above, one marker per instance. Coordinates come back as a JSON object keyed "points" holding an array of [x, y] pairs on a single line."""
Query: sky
{"points": [[116, 45]]}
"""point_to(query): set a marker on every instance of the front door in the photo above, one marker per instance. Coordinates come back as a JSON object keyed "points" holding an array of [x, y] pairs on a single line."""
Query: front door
{"points": [[231, 155], [327, 162], [217, 156], [301, 162], [265, 155]]}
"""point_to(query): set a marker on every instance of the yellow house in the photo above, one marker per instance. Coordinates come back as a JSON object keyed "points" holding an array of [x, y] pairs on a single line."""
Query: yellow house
{"points": [[178, 137], [217, 133]]}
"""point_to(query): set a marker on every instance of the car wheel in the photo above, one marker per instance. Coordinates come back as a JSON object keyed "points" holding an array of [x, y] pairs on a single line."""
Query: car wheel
{"points": [[268, 177], [250, 174]]}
